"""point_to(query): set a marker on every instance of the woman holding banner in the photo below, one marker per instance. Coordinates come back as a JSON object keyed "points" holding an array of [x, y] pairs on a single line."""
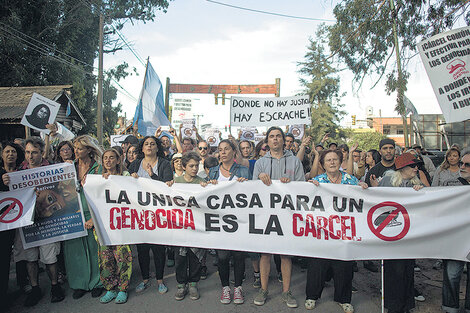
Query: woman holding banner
{"points": [[12, 157], [228, 170], [449, 169], [81, 254], [115, 261], [399, 274], [151, 163], [331, 161]]}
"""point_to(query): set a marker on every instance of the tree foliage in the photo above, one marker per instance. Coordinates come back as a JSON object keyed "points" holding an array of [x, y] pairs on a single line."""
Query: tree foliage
{"points": [[322, 84], [55, 42], [363, 34], [367, 140]]}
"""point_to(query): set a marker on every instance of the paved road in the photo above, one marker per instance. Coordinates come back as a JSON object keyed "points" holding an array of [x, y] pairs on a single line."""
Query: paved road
{"points": [[366, 300]]}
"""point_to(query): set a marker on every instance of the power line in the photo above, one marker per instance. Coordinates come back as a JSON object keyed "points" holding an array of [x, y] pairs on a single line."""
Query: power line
{"points": [[270, 13], [134, 52]]}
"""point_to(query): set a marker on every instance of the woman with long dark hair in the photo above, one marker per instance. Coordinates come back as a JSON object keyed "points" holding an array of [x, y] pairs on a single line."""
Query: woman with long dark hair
{"points": [[12, 156], [39, 117], [64, 152], [115, 261], [151, 163]]}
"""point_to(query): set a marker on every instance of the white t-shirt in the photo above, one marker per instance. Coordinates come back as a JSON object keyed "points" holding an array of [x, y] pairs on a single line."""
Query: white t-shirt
{"points": [[223, 178]]}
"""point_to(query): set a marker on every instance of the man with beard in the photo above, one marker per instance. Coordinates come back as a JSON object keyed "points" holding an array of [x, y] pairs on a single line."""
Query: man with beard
{"points": [[387, 151]]}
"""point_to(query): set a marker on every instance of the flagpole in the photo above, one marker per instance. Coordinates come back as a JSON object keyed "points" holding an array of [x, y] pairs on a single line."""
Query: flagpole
{"points": [[382, 279]]}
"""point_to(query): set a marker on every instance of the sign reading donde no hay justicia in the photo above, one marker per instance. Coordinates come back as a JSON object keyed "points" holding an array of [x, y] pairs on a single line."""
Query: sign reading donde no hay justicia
{"points": [[274, 111], [297, 218], [446, 58]]}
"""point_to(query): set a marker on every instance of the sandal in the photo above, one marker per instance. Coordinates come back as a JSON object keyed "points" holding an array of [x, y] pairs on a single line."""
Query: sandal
{"points": [[121, 297], [108, 297], [347, 307], [309, 304]]}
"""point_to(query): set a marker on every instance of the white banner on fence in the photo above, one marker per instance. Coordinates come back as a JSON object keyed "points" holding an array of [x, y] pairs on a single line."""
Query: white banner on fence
{"points": [[329, 221], [446, 57], [17, 208], [58, 213], [274, 111]]}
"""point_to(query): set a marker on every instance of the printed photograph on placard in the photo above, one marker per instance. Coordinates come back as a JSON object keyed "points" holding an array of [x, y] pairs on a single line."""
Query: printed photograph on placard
{"points": [[40, 112], [58, 211]]}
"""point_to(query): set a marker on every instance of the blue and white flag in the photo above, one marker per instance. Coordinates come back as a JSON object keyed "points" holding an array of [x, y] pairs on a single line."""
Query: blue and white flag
{"points": [[69, 109], [150, 110]]}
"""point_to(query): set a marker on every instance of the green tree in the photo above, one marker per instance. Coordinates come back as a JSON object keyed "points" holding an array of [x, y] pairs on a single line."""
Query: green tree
{"points": [[55, 42], [367, 140], [367, 34], [321, 83]]}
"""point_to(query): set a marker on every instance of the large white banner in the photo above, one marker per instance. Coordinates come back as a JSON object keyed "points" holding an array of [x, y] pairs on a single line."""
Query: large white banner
{"points": [[17, 208], [273, 111], [446, 57], [58, 214], [329, 221]]}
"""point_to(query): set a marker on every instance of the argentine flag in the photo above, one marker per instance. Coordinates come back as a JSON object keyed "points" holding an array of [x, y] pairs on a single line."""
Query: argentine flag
{"points": [[150, 110]]}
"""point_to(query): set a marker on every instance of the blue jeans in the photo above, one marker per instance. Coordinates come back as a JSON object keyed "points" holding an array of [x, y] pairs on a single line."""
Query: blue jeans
{"points": [[451, 286]]}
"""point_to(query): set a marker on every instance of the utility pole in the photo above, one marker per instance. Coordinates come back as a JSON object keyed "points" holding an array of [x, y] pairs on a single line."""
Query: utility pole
{"points": [[400, 91], [99, 120]]}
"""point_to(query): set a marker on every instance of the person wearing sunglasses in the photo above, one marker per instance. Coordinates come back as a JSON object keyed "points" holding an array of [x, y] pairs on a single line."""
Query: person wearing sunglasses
{"points": [[203, 151], [399, 274]]}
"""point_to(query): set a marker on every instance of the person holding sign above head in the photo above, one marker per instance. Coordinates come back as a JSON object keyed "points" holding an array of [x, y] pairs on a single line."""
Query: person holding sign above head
{"points": [[152, 164], [81, 254], [228, 170], [188, 260], [399, 274], [331, 161], [277, 164], [115, 261]]}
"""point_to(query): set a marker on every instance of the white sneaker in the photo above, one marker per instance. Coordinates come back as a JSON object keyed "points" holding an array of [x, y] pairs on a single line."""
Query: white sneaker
{"points": [[238, 295], [225, 296]]}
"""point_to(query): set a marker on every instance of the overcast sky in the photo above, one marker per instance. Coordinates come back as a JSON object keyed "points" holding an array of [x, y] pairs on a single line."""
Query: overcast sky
{"points": [[200, 42]]}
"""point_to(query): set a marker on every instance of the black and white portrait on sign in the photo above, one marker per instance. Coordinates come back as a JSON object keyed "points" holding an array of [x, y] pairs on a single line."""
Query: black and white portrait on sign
{"points": [[40, 112]]}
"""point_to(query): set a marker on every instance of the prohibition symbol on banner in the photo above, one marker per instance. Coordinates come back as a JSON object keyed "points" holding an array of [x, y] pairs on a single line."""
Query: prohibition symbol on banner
{"points": [[10, 211], [389, 221]]}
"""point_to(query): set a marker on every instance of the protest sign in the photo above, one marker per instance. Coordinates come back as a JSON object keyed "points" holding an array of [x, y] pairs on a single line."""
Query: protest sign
{"points": [[40, 112], [297, 131], [16, 208], [248, 133], [274, 111], [330, 221], [187, 130], [446, 58], [116, 140], [258, 138], [212, 136], [58, 210]]}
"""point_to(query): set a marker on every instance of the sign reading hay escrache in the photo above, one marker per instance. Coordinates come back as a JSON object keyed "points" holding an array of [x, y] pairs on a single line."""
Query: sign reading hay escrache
{"points": [[446, 58], [273, 111], [58, 210], [329, 221]]}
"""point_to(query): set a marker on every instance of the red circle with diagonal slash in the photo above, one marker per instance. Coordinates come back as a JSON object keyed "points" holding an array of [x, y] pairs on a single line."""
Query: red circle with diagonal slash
{"points": [[16, 202], [398, 209]]}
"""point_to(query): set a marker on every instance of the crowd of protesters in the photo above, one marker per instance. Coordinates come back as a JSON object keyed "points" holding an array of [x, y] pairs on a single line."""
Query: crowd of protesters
{"points": [[166, 157]]}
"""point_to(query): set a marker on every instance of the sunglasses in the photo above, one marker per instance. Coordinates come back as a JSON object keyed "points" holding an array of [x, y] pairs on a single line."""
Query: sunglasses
{"points": [[413, 165], [265, 148], [467, 165], [202, 148]]}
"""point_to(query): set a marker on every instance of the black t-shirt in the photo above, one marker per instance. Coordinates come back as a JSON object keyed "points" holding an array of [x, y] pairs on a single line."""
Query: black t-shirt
{"points": [[379, 171]]}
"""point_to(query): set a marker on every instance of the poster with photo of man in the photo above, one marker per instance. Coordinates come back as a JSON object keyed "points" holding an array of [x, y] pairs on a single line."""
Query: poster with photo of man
{"points": [[40, 112], [58, 211]]}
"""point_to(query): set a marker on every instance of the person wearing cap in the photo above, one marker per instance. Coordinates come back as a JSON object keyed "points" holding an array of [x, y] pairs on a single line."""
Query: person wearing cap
{"points": [[399, 274], [332, 146], [387, 152], [127, 142], [176, 165]]}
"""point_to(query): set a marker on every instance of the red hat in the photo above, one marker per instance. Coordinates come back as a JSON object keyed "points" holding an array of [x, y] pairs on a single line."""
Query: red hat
{"points": [[405, 159]]}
